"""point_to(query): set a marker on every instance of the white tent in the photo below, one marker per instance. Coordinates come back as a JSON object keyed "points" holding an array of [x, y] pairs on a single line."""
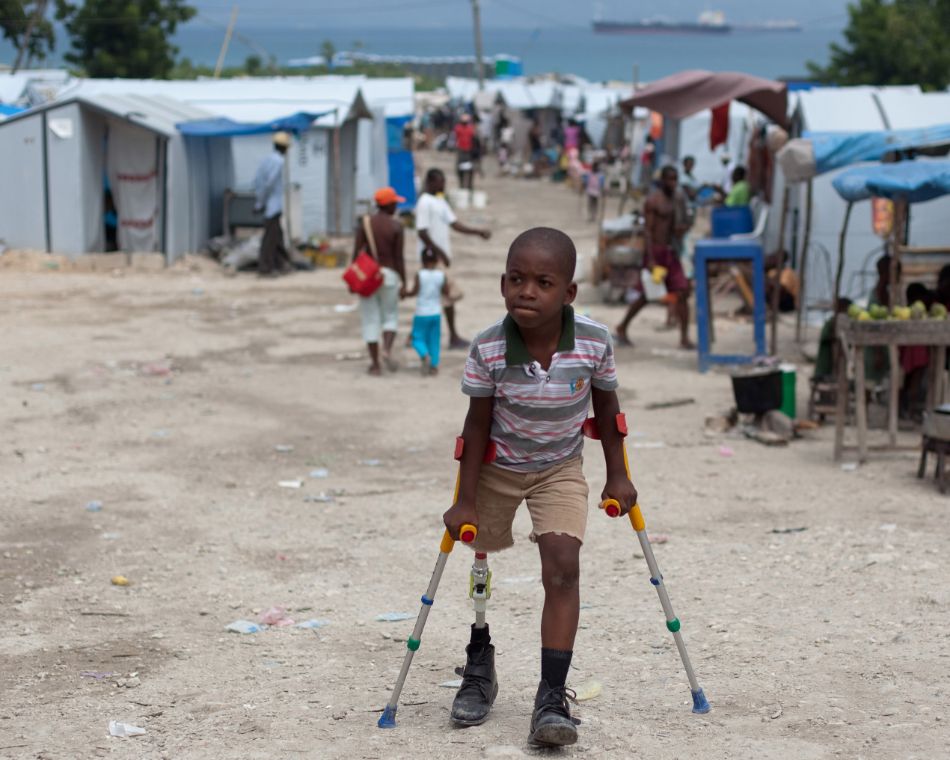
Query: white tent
{"points": [[58, 158], [854, 109], [322, 162], [31, 86]]}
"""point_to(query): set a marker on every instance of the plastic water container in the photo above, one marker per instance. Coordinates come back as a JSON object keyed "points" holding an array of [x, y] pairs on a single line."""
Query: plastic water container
{"points": [[789, 372], [731, 220], [460, 199], [479, 199]]}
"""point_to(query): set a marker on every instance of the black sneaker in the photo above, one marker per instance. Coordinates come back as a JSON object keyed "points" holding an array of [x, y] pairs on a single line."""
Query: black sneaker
{"points": [[479, 687], [551, 723]]}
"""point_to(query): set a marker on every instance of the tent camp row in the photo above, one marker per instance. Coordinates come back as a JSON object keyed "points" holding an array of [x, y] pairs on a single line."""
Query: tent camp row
{"points": [[169, 152], [546, 101]]}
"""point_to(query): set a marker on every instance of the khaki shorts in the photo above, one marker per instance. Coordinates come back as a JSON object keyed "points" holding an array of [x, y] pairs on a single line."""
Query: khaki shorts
{"points": [[556, 497]]}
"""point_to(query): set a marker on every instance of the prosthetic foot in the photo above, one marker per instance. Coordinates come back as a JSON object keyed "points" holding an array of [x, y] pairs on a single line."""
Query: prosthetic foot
{"points": [[551, 723], [479, 687]]}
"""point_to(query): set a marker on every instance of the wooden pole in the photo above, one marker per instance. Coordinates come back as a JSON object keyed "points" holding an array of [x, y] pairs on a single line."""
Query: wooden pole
{"points": [[479, 62], [804, 265], [841, 240], [777, 284], [895, 294], [337, 177], [226, 43]]}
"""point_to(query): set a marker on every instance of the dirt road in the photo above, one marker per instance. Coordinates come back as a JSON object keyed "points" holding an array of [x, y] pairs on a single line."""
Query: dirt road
{"points": [[165, 397]]}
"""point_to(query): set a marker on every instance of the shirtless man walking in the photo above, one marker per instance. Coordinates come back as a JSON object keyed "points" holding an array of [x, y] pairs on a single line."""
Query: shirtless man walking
{"points": [[380, 311], [662, 228]]}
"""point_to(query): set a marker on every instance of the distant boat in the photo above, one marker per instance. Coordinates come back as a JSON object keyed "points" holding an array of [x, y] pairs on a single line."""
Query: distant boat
{"points": [[709, 22]]}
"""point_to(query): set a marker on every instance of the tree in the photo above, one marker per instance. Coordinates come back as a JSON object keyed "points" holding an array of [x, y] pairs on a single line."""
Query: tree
{"points": [[892, 42], [253, 65], [123, 38], [328, 50], [15, 24]]}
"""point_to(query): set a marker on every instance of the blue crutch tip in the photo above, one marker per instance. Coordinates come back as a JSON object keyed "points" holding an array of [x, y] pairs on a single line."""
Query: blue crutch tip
{"points": [[700, 703], [388, 718]]}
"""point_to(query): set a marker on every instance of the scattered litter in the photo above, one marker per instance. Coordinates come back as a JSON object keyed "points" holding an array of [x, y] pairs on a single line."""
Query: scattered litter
{"points": [[588, 690], [276, 616], [312, 624], [345, 308], [671, 404], [319, 473], [321, 498], [349, 356], [648, 445], [519, 579], [111, 536], [726, 451], [161, 434], [290, 484], [766, 437], [889, 527], [156, 369], [197, 291], [283, 448], [38, 387], [453, 684], [393, 617], [587, 606], [849, 466], [659, 538], [672, 353], [777, 713], [124, 729], [371, 462], [94, 506], [788, 530], [243, 626], [96, 674], [120, 580]]}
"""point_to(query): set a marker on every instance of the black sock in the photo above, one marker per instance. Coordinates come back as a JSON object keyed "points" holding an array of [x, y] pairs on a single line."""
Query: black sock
{"points": [[480, 637], [554, 666]]}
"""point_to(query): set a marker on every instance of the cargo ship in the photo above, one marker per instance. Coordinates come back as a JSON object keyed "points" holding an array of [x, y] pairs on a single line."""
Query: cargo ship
{"points": [[709, 22]]}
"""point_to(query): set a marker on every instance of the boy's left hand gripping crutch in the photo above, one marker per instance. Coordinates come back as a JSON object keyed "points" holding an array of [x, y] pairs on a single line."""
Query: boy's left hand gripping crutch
{"points": [[467, 535], [612, 508]]}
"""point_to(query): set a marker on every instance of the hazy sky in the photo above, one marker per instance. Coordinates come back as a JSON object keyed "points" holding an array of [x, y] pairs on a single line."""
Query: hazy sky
{"points": [[507, 13]]}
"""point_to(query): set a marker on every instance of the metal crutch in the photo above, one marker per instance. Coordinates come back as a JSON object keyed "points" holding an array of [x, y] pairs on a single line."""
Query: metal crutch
{"points": [[612, 508], [467, 535]]}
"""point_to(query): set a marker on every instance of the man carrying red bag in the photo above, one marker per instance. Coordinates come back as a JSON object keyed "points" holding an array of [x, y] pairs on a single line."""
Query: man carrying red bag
{"points": [[381, 237]]}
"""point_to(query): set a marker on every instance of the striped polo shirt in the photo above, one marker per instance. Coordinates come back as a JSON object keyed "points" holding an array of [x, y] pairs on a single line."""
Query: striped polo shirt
{"points": [[538, 414]]}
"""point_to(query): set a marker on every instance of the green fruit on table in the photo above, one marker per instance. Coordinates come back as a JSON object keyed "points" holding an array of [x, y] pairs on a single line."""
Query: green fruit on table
{"points": [[938, 311], [854, 310], [863, 316], [918, 310], [901, 312], [877, 311]]}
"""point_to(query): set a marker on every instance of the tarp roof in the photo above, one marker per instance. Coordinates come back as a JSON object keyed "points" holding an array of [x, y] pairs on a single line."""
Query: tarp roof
{"points": [[155, 113], [520, 94], [688, 92], [852, 109], [251, 100], [913, 181], [906, 110], [820, 152], [220, 127]]}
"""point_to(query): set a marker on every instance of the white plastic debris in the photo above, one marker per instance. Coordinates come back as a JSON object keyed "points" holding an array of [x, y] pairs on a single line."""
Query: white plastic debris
{"points": [[242, 626], [124, 729], [290, 484]]}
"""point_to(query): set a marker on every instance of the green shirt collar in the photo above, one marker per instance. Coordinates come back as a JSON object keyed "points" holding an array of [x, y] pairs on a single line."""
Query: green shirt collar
{"points": [[516, 352]]}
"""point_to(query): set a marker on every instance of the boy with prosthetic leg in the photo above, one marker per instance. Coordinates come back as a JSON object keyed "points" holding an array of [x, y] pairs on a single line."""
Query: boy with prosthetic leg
{"points": [[531, 379]]}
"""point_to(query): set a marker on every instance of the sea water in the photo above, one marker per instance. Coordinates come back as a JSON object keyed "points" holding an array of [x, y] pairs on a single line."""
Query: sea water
{"points": [[575, 50]]}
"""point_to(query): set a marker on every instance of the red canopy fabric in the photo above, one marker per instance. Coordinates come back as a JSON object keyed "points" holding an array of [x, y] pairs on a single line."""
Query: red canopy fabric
{"points": [[689, 92]]}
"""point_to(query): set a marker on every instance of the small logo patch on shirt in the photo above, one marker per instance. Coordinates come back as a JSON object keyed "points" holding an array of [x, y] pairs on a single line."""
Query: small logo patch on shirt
{"points": [[577, 385]]}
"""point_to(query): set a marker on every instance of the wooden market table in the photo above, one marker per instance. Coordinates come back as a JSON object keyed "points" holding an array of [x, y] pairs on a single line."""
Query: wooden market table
{"points": [[854, 337]]}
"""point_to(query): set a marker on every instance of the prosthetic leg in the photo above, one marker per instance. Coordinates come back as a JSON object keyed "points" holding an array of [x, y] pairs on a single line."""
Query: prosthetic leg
{"points": [[467, 535], [612, 508]]}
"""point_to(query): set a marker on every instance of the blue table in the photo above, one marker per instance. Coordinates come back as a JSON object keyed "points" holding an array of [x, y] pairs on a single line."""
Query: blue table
{"points": [[728, 250]]}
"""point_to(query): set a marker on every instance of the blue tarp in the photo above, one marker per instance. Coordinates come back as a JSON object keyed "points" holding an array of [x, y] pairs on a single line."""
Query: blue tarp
{"points": [[221, 127], [402, 168], [8, 110], [913, 181], [836, 149]]}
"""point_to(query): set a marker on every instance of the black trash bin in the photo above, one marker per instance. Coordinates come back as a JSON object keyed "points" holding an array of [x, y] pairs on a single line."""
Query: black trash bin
{"points": [[757, 391]]}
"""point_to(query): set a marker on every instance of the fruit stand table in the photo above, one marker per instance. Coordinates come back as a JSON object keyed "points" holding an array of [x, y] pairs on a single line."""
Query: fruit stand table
{"points": [[855, 336]]}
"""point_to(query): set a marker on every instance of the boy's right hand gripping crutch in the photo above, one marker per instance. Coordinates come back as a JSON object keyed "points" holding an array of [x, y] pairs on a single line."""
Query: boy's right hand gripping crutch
{"points": [[467, 534], [612, 508]]}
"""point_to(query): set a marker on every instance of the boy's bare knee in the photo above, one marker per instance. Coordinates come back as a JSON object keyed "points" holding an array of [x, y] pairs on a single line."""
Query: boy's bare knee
{"points": [[560, 563]]}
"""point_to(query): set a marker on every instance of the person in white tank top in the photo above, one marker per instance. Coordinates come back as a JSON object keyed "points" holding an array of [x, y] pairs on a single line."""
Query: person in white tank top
{"points": [[428, 287]]}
